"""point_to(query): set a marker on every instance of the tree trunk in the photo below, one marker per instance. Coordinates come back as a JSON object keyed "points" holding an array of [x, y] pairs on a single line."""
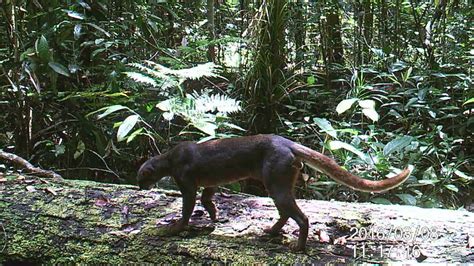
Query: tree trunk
{"points": [[211, 52], [59, 222]]}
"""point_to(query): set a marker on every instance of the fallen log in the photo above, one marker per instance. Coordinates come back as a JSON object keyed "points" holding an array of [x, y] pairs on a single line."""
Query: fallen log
{"points": [[57, 222]]}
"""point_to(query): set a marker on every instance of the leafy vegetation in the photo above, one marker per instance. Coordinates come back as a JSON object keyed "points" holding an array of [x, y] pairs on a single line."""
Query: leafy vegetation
{"points": [[92, 88]]}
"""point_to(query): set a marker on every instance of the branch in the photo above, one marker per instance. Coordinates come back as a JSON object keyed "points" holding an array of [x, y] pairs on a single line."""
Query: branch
{"points": [[15, 159]]}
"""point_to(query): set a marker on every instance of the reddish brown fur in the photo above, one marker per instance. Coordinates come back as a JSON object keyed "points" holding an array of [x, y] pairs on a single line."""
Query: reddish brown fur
{"points": [[273, 160]]}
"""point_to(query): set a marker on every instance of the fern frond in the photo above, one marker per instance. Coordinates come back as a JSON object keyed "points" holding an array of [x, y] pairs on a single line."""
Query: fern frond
{"points": [[217, 102], [197, 72], [139, 77]]}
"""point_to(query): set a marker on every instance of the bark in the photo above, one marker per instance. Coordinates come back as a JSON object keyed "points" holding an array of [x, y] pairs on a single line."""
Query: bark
{"points": [[59, 222], [211, 52]]}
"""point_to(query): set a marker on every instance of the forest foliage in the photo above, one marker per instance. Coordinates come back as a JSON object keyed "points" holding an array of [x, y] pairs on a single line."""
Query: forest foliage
{"points": [[91, 89]]}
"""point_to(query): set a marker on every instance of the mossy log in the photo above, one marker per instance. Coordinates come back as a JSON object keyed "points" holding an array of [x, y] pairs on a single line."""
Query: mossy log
{"points": [[56, 222]]}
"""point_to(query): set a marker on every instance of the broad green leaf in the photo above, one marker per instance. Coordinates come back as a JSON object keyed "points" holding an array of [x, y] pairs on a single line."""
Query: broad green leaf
{"points": [[325, 126], [42, 49], [164, 105], [311, 80], [452, 187], [397, 66], [74, 14], [117, 124], [367, 104], [58, 68], [397, 145], [207, 138], [99, 29], [381, 201], [410, 102], [230, 125], [407, 74], [463, 175], [134, 134], [81, 147], [378, 52], [109, 110], [168, 116], [206, 127], [336, 145], [469, 101], [371, 113], [345, 105], [407, 199], [126, 126]]}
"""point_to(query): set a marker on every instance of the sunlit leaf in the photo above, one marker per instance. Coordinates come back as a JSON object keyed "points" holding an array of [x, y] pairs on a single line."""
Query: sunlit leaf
{"points": [[463, 175], [126, 126], [336, 145], [325, 126], [407, 199], [75, 15], [134, 134], [168, 116], [164, 105], [367, 104], [81, 147], [139, 77], [371, 113], [109, 110], [311, 80], [452, 187], [469, 101], [345, 105], [397, 145], [206, 127], [58, 68]]}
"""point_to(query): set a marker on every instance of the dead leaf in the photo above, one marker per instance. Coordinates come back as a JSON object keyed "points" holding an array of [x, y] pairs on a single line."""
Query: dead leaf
{"points": [[323, 236], [118, 233], [21, 177], [470, 241], [240, 227], [51, 190], [170, 217], [134, 232], [340, 241], [101, 202], [30, 188], [3, 180]]}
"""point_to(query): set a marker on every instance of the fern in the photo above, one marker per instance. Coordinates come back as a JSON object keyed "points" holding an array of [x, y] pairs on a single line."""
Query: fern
{"points": [[139, 77], [217, 102], [159, 76], [200, 71], [200, 110]]}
